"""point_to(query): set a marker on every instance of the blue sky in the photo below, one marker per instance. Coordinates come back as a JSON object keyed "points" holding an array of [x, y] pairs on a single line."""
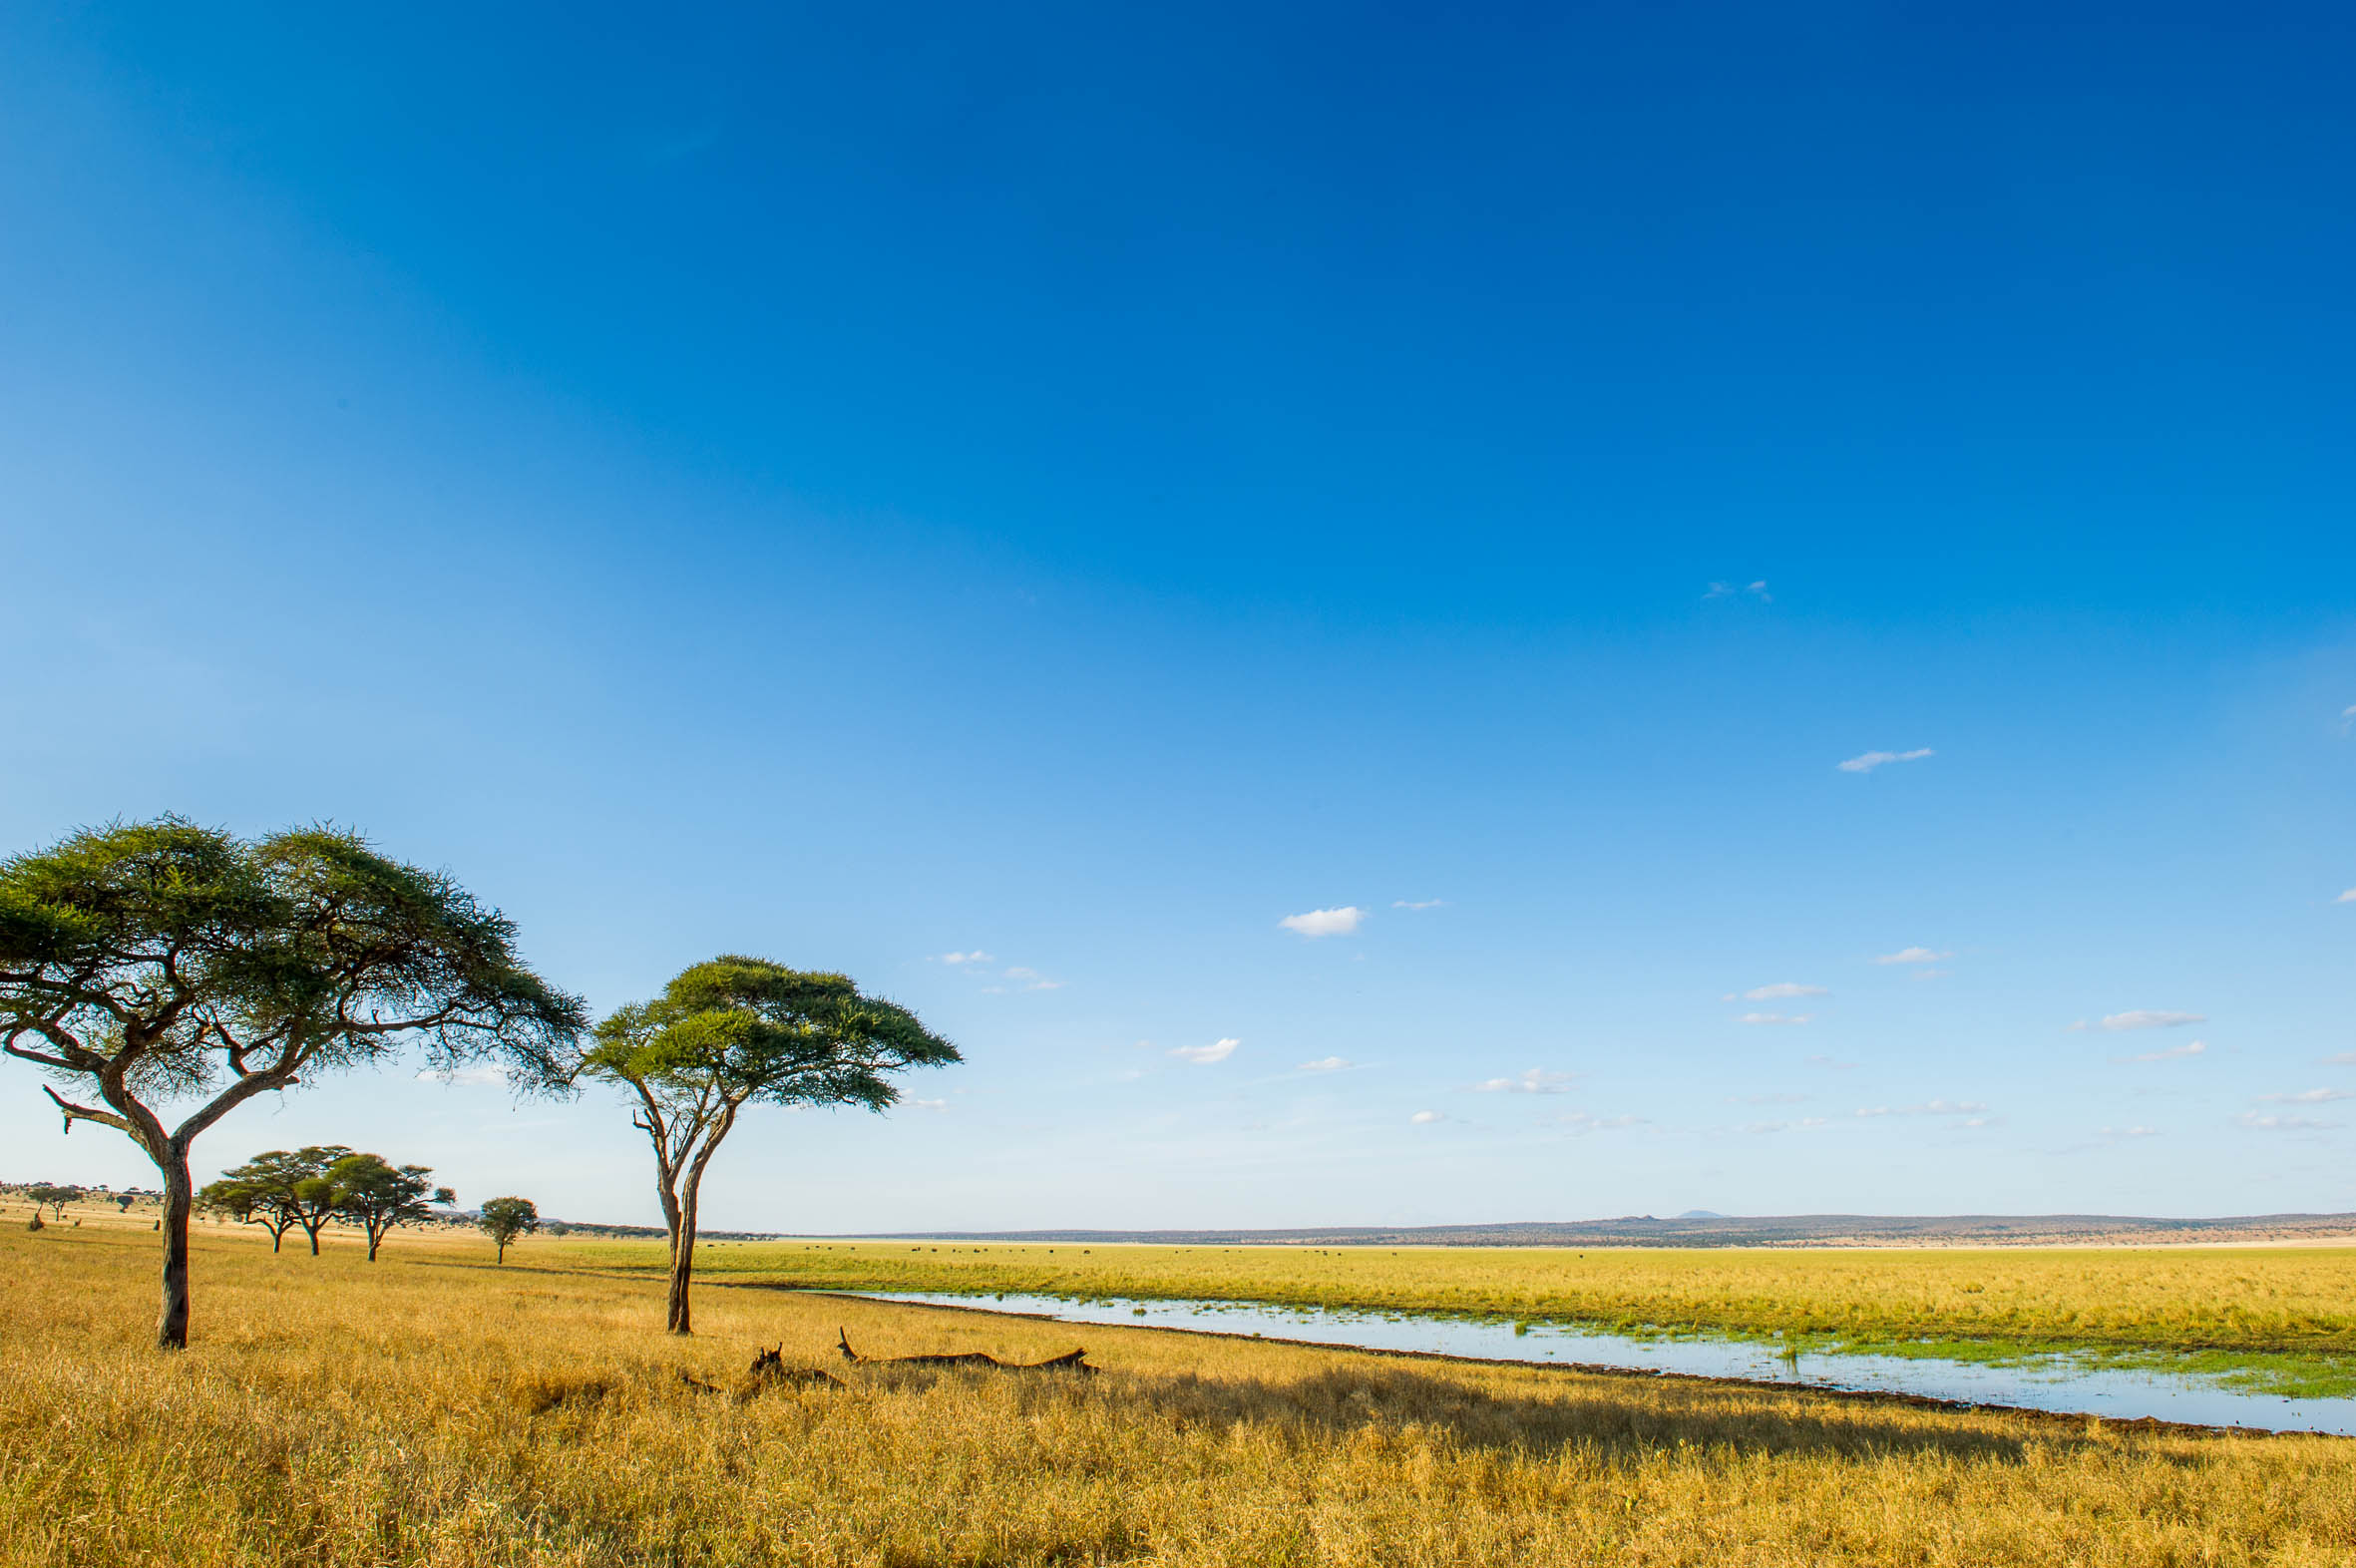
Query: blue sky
{"points": [[1083, 489]]}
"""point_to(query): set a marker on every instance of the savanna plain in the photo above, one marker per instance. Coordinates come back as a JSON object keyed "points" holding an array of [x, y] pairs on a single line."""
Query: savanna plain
{"points": [[437, 1408]]}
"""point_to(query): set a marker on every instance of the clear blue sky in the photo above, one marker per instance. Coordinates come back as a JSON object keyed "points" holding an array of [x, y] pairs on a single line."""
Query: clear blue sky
{"points": [[1084, 486]]}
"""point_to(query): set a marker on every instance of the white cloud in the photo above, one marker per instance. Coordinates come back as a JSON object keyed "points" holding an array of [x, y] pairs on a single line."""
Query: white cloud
{"points": [[1912, 956], [2189, 1049], [2348, 897], [2143, 1019], [1418, 904], [1783, 1126], [1582, 1123], [1781, 989], [1217, 1050], [1758, 590], [2257, 1123], [1032, 980], [2306, 1098], [976, 956], [1326, 1065], [1928, 975], [930, 1105], [1774, 1017], [2132, 1132], [1827, 1061], [2346, 1059], [1927, 1108], [1427, 1118], [1326, 922], [1535, 1081], [480, 1077], [1875, 759]]}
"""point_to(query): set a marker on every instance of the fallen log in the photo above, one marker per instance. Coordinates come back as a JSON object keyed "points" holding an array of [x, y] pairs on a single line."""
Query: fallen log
{"points": [[1073, 1361]]}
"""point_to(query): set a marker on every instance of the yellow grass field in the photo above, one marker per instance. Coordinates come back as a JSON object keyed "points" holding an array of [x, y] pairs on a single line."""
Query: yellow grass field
{"points": [[434, 1410], [2173, 1298]]}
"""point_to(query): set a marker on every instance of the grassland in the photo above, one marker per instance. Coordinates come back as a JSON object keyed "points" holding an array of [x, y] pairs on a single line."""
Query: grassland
{"points": [[434, 1410], [2267, 1300]]}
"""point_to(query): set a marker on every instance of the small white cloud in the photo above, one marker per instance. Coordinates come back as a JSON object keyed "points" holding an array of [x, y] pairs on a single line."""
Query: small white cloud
{"points": [[2185, 1051], [1758, 590], [1418, 904], [2257, 1123], [1217, 1050], [1928, 975], [1427, 1118], [2131, 1132], [1774, 1017], [1326, 922], [2306, 1098], [2143, 1019], [1535, 1081], [930, 1105], [1782, 991], [1326, 1065], [1875, 759], [2348, 897], [976, 956], [479, 1077], [1785, 1126], [1827, 1061], [1912, 956], [2346, 1059], [1032, 980]]}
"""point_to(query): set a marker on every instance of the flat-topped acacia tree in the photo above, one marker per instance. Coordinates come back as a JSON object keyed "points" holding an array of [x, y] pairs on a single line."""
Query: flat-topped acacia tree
{"points": [[149, 963], [737, 1032]]}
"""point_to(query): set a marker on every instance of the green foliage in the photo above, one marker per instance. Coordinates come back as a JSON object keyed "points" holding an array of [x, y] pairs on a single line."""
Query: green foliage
{"points": [[52, 1196], [736, 1032], [278, 1190], [505, 1219], [163, 960], [379, 1197]]}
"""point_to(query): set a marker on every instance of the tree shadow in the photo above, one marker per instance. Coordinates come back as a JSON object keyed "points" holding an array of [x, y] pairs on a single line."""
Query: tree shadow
{"points": [[1618, 1416]]}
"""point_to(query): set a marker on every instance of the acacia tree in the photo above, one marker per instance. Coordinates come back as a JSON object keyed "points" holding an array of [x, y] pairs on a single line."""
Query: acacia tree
{"points": [[377, 1196], [54, 1196], [162, 962], [505, 1219], [246, 1203], [736, 1032]]}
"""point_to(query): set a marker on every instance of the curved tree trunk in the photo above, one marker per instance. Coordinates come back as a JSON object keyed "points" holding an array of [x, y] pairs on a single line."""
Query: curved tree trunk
{"points": [[682, 1264], [179, 1196]]}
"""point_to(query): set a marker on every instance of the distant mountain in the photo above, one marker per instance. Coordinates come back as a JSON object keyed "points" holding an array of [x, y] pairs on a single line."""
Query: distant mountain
{"points": [[1701, 1214], [1713, 1229]]}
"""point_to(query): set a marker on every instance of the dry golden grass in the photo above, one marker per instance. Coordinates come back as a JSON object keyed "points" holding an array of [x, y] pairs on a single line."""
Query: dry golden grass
{"points": [[2256, 1298], [433, 1410]]}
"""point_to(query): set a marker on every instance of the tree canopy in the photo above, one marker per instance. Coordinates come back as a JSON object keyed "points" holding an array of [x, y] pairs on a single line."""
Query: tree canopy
{"points": [[736, 1032], [145, 964], [378, 1196], [505, 1219]]}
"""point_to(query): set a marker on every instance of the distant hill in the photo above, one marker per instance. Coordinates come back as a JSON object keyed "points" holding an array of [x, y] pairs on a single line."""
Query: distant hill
{"points": [[1701, 1228], [1701, 1214]]}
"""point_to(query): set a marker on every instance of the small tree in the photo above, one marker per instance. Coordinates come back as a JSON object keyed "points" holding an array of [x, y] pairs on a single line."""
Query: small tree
{"points": [[246, 1202], [161, 961], [505, 1219], [123, 1202], [55, 1197], [378, 1197], [738, 1031], [290, 1186]]}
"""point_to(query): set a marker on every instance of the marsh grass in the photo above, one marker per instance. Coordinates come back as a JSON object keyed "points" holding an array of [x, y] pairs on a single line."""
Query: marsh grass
{"points": [[2290, 1299], [434, 1410]]}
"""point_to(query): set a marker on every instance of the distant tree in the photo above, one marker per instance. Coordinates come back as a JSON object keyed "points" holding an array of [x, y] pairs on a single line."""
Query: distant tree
{"points": [[288, 1186], [736, 1032], [505, 1219], [378, 1197], [52, 1196], [244, 1203], [162, 961], [123, 1202]]}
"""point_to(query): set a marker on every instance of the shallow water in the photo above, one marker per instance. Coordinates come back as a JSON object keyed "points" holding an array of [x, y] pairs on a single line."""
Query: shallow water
{"points": [[2042, 1381]]}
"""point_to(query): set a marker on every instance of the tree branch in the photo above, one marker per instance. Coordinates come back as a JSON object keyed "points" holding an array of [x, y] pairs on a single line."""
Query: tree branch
{"points": [[75, 1113]]}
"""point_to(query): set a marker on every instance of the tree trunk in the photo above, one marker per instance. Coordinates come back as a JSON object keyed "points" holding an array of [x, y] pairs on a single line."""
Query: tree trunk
{"points": [[682, 1265], [179, 1196]]}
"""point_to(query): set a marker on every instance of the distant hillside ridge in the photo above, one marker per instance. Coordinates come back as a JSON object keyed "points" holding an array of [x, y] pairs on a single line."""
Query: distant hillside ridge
{"points": [[1796, 1230]]}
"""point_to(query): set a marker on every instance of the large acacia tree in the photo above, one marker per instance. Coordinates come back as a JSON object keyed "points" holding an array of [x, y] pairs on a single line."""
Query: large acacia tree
{"points": [[159, 965], [739, 1032]]}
